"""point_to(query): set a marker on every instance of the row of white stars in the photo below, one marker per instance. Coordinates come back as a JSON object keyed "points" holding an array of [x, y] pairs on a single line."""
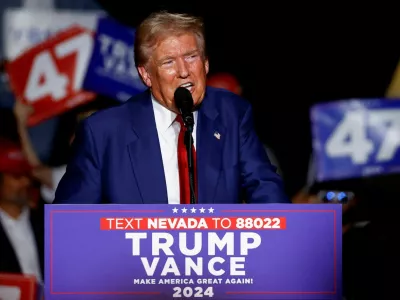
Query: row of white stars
{"points": [[192, 210]]}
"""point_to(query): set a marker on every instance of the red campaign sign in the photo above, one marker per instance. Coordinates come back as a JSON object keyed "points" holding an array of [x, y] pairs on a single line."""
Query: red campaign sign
{"points": [[16, 284], [49, 76]]}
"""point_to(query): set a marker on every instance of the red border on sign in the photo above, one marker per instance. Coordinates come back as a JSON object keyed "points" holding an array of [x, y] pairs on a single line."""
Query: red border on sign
{"points": [[158, 293], [294, 293], [51, 252]]}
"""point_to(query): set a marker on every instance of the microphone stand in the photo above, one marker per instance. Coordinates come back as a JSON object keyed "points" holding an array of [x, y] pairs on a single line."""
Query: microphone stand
{"points": [[189, 143]]}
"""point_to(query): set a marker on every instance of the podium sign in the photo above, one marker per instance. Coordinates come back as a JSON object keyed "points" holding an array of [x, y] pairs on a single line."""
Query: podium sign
{"points": [[273, 251], [356, 138]]}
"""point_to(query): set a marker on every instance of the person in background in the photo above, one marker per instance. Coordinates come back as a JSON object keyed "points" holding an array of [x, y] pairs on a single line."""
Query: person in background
{"points": [[48, 176], [21, 228], [370, 235], [225, 81], [230, 83]]}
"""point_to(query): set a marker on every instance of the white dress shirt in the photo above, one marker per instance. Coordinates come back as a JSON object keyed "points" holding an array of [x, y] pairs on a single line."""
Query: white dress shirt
{"points": [[20, 234], [168, 133]]}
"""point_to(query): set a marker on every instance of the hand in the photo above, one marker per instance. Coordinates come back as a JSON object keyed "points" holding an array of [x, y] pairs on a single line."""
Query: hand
{"points": [[303, 197], [44, 175], [22, 112]]}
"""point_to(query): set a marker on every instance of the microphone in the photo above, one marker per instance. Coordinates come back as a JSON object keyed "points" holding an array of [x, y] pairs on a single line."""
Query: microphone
{"points": [[184, 103]]}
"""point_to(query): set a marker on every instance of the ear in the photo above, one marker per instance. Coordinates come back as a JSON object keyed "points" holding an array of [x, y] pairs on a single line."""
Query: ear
{"points": [[207, 65], [145, 76]]}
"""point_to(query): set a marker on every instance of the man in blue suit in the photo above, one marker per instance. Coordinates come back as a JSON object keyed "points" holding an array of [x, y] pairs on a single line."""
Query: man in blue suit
{"points": [[129, 153]]}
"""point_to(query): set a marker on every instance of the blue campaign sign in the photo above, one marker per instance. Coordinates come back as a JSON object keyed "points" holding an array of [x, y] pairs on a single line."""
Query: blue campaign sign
{"points": [[356, 138], [116, 252], [111, 71]]}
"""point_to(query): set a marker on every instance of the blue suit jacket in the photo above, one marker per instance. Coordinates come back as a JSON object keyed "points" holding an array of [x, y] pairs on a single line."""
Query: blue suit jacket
{"points": [[117, 158]]}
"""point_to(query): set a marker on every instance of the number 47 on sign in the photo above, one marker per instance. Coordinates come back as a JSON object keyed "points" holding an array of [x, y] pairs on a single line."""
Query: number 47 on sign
{"points": [[366, 135], [50, 75]]}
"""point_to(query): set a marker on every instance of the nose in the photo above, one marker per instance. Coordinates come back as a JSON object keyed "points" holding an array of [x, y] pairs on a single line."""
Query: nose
{"points": [[183, 70]]}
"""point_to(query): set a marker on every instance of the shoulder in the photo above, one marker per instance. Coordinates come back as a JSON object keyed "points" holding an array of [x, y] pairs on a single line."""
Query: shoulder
{"points": [[224, 97], [227, 103], [113, 118]]}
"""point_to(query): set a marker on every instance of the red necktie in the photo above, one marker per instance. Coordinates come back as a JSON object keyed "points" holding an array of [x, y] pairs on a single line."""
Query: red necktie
{"points": [[184, 165]]}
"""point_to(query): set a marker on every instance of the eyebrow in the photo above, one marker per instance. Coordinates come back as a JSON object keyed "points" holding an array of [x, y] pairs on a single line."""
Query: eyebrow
{"points": [[167, 57], [192, 52]]}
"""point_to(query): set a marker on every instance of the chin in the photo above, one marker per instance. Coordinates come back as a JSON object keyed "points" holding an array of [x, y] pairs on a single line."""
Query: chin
{"points": [[198, 98], [196, 101]]}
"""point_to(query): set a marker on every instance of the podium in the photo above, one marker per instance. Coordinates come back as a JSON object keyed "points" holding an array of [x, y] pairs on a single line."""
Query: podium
{"points": [[254, 251]]}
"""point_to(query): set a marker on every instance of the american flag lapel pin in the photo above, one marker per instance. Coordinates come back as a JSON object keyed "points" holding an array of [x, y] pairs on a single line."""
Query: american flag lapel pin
{"points": [[217, 135]]}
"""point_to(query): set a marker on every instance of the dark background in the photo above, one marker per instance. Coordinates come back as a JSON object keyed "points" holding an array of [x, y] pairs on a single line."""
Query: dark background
{"points": [[288, 56]]}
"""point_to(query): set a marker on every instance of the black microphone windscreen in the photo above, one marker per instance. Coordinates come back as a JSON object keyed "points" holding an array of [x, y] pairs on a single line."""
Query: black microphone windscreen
{"points": [[183, 99]]}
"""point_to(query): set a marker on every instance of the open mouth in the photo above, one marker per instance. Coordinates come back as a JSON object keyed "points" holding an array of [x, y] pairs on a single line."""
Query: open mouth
{"points": [[188, 85]]}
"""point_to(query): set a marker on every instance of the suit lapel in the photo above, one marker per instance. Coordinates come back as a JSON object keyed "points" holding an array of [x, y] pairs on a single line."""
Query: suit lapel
{"points": [[210, 142], [145, 153], [37, 223], [8, 259]]}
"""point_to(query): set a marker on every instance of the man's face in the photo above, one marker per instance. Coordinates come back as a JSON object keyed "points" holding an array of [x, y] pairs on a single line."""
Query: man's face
{"points": [[176, 61], [15, 189]]}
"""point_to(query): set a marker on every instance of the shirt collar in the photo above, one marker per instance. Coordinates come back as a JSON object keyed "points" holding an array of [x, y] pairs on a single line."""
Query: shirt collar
{"points": [[23, 217], [164, 117]]}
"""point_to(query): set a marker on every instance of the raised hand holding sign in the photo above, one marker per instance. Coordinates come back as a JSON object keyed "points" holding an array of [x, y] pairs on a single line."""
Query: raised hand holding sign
{"points": [[112, 71], [50, 75], [356, 138]]}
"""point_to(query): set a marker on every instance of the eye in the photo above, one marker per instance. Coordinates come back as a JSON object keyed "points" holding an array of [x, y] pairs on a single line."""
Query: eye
{"points": [[191, 57], [167, 62]]}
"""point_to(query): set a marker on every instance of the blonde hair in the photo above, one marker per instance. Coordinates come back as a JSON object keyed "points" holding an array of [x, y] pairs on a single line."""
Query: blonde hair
{"points": [[161, 24]]}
